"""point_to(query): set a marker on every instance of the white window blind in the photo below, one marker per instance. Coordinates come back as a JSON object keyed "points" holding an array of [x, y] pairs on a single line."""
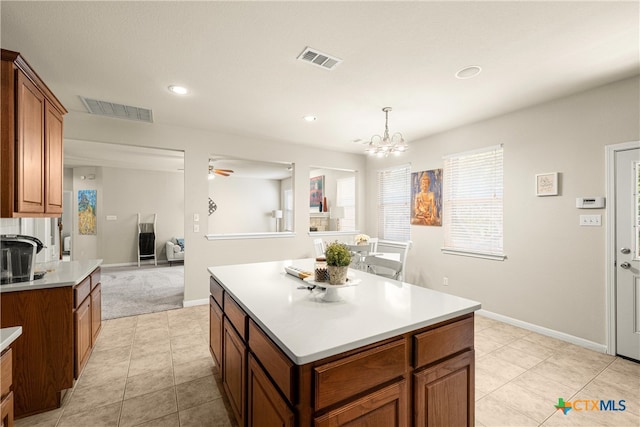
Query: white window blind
{"points": [[473, 199], [394, 203], [346, 197]]}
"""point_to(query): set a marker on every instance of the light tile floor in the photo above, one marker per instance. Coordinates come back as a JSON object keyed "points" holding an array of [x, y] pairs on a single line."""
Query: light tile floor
{"points": [[156, 370]]}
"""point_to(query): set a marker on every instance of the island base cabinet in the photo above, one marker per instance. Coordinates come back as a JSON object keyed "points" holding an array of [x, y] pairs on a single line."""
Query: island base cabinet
{"points": [[6, 411], [444, 393], [215, 331], [386, 407], [234, 364], [265, 408]]}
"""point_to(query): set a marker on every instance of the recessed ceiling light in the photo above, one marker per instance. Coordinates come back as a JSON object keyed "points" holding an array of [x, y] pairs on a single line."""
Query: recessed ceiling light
{"points": [[180, 90], [468, 72], [310, 118]]}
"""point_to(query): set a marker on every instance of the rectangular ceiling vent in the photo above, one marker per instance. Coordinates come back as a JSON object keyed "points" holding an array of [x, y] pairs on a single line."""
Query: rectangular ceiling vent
{"points": [[118, 111], [319, 59]]}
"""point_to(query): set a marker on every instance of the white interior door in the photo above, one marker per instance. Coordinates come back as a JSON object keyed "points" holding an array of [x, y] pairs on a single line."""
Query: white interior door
{"points": [[627, 276]]}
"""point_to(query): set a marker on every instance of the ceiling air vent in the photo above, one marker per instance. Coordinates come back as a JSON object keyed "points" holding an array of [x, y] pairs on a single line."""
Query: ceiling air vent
{"points": [[315, 57], [118, 111]]}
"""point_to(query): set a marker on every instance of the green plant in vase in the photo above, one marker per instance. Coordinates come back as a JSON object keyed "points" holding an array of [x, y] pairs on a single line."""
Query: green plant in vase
{"points": [[338, 261]]}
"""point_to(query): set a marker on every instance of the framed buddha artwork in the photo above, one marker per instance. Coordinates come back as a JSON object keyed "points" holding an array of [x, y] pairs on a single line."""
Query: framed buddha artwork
{"points": [[426, 198]]}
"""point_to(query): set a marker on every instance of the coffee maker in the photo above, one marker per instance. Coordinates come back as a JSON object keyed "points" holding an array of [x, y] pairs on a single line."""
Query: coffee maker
{"points": [[18, 257]]}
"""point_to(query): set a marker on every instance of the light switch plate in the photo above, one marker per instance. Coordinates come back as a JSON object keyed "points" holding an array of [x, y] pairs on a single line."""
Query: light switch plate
{"points": [[196, 217], [112, 217], [196, 228], [590, 220]]}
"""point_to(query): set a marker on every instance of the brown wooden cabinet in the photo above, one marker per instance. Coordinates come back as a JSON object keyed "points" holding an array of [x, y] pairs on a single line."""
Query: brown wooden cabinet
{"points": [[386, 407], [265, 406], [234, 368], [6, 383], [424, 377], [444, 393], [215, 331], [60, 325], [31, 142], [82, 328]]}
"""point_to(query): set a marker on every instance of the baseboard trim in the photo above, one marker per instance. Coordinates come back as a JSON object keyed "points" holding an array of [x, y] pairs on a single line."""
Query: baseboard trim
{"points": [[600, 348], [195, 302]]}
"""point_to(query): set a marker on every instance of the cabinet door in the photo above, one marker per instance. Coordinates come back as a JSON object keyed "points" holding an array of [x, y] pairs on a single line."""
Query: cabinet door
{"points": [[234, 364], [82, 327], [386, 407], [444, 393], [30, 147], [54, 159], [96, 313], [215, 332], [265, 406], [6, 411]]}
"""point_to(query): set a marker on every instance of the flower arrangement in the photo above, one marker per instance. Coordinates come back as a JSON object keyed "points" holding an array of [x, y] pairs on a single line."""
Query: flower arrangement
{"points": [[361, 239], [338, 254]]}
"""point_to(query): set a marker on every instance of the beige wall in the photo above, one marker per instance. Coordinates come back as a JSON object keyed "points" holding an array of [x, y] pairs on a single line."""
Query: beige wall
{"points": [[554, 274], [197, 146]]}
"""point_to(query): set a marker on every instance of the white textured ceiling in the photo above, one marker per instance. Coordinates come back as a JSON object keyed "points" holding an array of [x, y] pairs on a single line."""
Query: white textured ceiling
{"points": [[239, 60]]}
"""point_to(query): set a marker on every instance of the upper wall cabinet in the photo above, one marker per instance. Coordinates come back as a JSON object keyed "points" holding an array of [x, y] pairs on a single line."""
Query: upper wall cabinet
{"points": [[32, 138]]}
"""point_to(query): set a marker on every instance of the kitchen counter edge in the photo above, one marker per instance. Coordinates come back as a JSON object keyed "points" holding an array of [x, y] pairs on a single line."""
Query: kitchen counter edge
{"points": [[66, 273]]}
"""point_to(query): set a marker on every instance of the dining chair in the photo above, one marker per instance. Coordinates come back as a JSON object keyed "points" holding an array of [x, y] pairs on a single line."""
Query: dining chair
{"points": [[373, 244], [401, 248], [358, 253], [318, 245], [383, 267]]}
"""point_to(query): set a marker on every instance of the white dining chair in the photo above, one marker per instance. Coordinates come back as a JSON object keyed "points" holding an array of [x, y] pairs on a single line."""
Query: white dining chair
{"points": [[358, 253], [373, 244], [318, 245], [400, 248], [383, 267]]}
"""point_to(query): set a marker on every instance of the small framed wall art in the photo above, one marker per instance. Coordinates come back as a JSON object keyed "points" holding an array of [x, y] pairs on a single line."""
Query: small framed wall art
{"points": [[547, 184]]}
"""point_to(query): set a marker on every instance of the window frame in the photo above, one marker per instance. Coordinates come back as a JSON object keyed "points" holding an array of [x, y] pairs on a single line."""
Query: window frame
{"points": [[493, 204]]}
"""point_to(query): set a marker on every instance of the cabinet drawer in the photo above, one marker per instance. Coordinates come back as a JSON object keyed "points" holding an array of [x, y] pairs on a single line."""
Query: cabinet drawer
{"points": [[6, 372], [81, 291], [236, 315], [386, 407], [354, 374], [274, 361], [95, 278], [444, 341], [216, 291]]}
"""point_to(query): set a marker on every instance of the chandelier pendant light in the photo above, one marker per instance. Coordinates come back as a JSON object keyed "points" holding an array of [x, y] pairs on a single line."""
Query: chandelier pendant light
{"points": [[381, 146]]}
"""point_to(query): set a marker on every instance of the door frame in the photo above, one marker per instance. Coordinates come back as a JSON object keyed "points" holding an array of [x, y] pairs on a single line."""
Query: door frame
{"points": [[610, 170]]}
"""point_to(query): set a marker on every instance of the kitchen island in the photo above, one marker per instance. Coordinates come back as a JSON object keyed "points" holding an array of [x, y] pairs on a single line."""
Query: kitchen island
{"points": [[60, 316], [388, 353]]}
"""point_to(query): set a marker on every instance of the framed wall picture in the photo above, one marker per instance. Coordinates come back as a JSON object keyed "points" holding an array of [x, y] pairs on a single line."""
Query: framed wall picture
{"points": [[547, 184], [316, 192], [87, 215], [426, 198]]}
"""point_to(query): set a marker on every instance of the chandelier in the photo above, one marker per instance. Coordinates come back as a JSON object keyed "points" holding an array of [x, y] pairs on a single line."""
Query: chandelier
{"points": [[381, 146]]}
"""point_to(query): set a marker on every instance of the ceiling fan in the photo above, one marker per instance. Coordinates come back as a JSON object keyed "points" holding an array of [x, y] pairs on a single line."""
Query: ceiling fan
{"points": [[213, 171]]}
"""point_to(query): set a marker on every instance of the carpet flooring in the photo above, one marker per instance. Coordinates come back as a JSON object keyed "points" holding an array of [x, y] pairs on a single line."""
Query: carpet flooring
{"points": [[130, 291]]}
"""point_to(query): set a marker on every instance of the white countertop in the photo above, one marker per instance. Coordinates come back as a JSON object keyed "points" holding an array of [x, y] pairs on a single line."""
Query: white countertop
{"points": [[9, 335], [307, 328], [59, 273]]}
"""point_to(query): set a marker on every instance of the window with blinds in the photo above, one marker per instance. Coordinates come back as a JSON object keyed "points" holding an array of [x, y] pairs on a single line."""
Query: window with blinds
{"points": [[394, 204], [346, 197], [472, 199]]}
